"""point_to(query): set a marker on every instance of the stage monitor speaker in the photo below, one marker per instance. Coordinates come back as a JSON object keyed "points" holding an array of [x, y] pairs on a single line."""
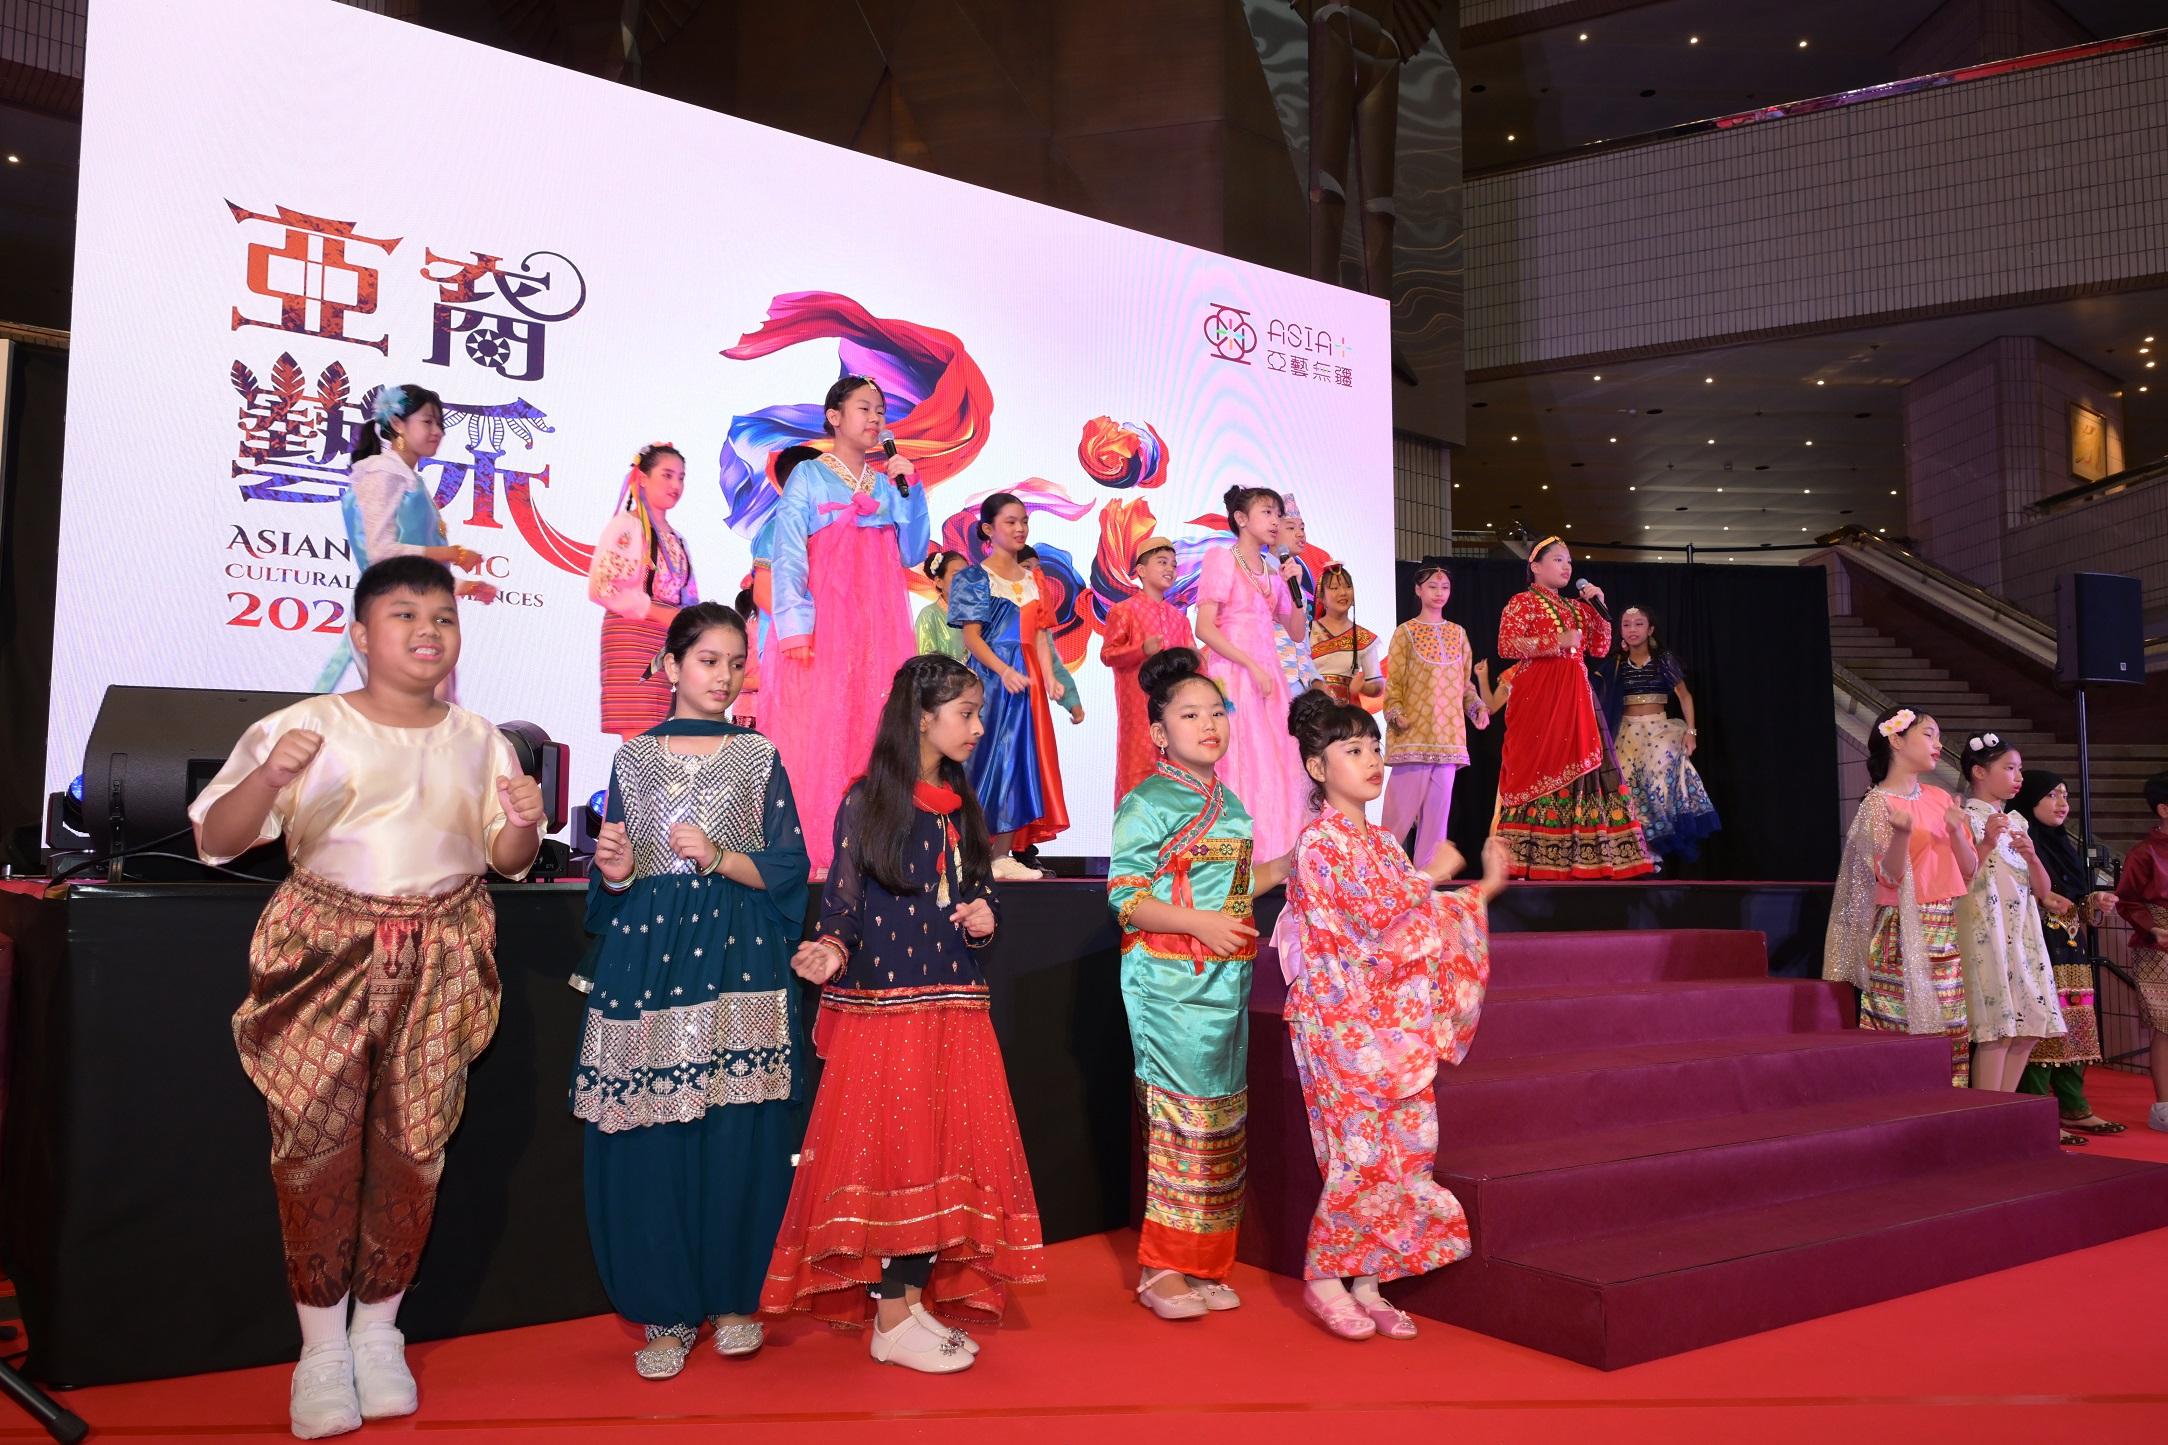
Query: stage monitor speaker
{"points": [[2099, 628], [151, 751]]}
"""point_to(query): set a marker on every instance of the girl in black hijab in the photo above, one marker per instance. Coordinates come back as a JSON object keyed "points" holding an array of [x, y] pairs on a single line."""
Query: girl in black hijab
{"points": [[2058, 1065]]}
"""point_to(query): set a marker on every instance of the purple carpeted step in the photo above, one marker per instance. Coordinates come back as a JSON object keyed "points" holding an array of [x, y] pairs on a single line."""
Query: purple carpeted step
{"points": [[1532, 1193], [1522, 1021], [1621, 1298], [1545, 960], [1541, 1096]]}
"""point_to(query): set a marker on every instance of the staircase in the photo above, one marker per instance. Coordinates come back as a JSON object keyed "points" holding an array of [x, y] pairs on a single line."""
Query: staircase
{"points": [[2120, 816], [1660, 1147]]}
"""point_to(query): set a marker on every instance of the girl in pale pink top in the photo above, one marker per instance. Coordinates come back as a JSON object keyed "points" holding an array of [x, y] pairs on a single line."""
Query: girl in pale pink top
{"points": [[1893, 921]]}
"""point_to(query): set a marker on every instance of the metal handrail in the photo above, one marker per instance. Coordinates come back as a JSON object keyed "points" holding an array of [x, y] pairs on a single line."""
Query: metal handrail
{"points": [[2001, 607], [2108, 486]]}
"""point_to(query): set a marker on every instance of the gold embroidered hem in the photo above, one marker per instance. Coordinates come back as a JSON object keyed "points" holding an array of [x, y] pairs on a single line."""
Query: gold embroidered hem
{"points": [[672, 1065]]}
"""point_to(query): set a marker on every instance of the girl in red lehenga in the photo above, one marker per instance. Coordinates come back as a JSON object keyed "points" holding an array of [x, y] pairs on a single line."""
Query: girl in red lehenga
{"points": [[912, 1178], [1562, 808], [1385, 984]]}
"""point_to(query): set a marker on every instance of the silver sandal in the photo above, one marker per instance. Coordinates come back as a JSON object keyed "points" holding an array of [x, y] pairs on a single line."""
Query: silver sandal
{"points": [[736, 1341], [666, 1350]]}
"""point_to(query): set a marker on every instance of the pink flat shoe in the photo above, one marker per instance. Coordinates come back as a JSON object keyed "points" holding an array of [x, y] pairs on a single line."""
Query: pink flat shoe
{"points": [[1341, 1317], [1392, 1323]]}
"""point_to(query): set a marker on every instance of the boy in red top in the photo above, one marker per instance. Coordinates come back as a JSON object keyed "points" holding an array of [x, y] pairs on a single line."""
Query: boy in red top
{"points": [[2143, 901]]}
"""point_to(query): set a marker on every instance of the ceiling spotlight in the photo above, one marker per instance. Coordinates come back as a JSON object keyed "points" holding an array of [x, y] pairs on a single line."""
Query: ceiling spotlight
{"points": [[2141, 391], [1596, 378], [1512, 439], [1546, 486], [1806, 491], [1456, 486], [1893, 491], [1720, 490], [1633, 489], [1810, 443], [1614, 439], [1584, 35], [1727, 529], [1693, 40], [1821, 383], [2149, 366], [14, 159], [1708, 381], [1802, 529], [1511, 137], [1802, 45], [1712, 441], [1881, 529], [2148, 340], [1569, 526], [2143, 350]]}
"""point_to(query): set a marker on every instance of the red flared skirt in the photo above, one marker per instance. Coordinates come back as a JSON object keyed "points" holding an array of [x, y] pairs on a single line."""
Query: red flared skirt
{"points": [[912, 1149]]}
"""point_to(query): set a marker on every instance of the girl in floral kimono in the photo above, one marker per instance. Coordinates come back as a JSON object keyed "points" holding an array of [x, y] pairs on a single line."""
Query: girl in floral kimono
{"points": [[1180, 883], [1391, 983]]}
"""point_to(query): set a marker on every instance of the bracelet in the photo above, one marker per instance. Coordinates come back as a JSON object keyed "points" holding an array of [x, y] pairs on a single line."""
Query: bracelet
{"points": [[615, 887], [1690, 732], [714, 867]]}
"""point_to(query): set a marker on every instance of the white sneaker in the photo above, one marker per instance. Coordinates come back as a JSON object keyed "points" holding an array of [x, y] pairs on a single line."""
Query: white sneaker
{"points": [[915, 1347], [322, 1400], [1008, 869], [381, 1378], [925, 1317], [2158, 1119]]}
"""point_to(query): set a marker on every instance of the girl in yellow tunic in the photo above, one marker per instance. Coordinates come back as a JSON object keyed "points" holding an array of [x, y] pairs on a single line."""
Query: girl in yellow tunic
{"points": [[1181, 883]]}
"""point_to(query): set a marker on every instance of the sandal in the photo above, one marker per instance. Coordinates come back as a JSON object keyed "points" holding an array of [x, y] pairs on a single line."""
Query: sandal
{"points": [[1188, 1305], [1343, 1317], [2097, 1126], [665, 1353], [2072, 1141]]}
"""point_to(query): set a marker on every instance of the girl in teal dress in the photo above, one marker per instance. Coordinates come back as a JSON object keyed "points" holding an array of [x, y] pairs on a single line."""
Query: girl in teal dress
{"points": [[1180, 883], [688, 1068]]}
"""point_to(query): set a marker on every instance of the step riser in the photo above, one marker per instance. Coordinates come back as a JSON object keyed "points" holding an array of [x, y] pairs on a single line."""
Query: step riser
{"points": [[1515, 1027], [1556, 960], [1541, 1106], [1667, 1314], [1535, 1209]]}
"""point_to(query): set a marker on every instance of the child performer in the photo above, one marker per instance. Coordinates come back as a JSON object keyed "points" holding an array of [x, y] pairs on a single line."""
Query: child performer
{"points": [[388, 510], [1654, 753], [934, 632], [1893, 919], [1240, 602], [912, 1181], [1292, 643], [1391, 985], [2057, 1066], [1008, 630], [745, 712], [1180, 884], [687, 1073], [1429, 702], [837, 543], [2010, 1001], [642, 574], [372, 976], [1072, 699], [1138, 628], [2142, 899], [1346, 652]]}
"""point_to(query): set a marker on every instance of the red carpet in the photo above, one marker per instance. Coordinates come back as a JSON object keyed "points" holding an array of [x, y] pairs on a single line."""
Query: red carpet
{"points": [[2071, 1348]]}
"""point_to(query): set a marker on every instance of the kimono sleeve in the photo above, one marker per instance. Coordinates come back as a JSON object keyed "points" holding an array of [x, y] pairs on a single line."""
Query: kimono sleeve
{"points": [[248, 755], [1464, 971], [971, 599], [1331, 877], [1139, 832], [781, 861], [787, 531]]}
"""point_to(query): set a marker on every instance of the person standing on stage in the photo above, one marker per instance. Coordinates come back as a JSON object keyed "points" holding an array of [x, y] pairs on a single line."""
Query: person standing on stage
{"points": [[1429, 703], [389, 511], [1241, 600], [2142, 900], [1072, 699], [688, 1070], [1008, 629], [1390, 985], [2057, 1066], [1893, 919], [934, 632], [1345, 652], [1291, 644], [1561, 809], [2010, 1002], [1655, 754], [372, 976], [836, 546], [642, 574], [912, 1187], [1138, 628], [1180, 882]]}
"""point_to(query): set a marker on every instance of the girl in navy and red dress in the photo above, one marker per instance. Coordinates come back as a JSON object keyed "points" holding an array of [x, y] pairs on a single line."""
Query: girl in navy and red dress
{"points": [[912, 1190]]}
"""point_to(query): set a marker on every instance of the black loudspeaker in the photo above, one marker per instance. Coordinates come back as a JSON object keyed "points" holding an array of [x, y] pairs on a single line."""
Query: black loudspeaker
{"points": [[151, 751], [2099, 628]]}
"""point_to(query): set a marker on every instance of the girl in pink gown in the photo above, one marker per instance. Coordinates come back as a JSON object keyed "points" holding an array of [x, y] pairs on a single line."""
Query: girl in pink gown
{"points": [[1240, 598]]}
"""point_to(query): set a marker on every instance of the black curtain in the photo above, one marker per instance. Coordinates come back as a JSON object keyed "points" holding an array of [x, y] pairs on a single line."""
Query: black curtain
{"points": [[1754, 643], [29, 550]]}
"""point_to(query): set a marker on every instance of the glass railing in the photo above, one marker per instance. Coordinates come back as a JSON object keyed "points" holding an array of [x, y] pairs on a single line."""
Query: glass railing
{"points": [[1815, 105]]}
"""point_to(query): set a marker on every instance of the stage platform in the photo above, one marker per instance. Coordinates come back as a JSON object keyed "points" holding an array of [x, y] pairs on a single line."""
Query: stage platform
{"points": [[135, 1148]]}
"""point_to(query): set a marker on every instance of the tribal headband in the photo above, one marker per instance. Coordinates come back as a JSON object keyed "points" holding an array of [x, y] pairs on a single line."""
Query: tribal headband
{"points": [[1897, 722], [1537, 550]]}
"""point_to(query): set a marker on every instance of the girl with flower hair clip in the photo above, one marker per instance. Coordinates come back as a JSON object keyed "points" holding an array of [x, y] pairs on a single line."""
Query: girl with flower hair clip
{"points": [[1893, 921], [642, 574], [2010, 1000]]}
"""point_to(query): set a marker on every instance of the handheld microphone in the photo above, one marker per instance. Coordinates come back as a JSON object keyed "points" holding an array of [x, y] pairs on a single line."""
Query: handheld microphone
{"points": [[1294, 584], [888, 450], [1583, 587]]}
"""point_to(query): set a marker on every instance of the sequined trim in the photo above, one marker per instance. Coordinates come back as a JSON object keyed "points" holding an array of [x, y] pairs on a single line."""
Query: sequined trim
{"points": [[672, 1065], [969, 995]]}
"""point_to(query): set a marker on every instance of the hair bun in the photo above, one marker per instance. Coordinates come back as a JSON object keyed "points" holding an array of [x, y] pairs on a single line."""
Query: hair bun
{"points": [[1309, 710], [1168, 666]]}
